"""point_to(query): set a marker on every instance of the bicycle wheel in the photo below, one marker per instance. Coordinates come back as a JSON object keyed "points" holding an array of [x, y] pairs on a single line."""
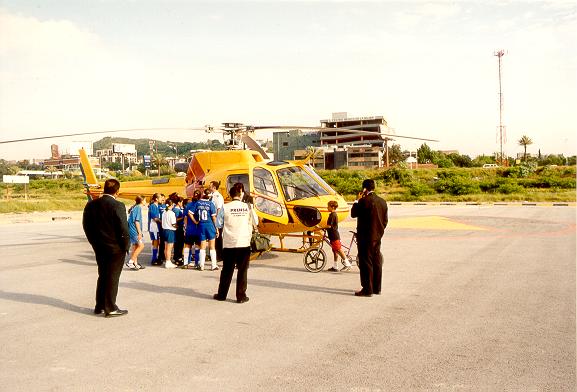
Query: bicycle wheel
{"points": [[315, 260]]}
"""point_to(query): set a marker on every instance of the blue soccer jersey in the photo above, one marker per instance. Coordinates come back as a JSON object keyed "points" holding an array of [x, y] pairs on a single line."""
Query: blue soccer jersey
{"points": [[153, 213], [134, 216], [204, 212], [191, 227]]}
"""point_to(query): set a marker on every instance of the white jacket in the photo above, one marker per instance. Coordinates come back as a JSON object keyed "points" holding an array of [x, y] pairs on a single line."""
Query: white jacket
{"points": [[239, 220]]}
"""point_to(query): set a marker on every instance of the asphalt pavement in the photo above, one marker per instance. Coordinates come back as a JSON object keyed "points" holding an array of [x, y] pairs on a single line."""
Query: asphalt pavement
{"points": [[474, 298]]}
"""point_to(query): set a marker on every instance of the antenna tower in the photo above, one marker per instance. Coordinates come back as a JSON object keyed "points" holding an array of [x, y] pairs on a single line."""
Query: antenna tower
{"points": [[502, 136]]}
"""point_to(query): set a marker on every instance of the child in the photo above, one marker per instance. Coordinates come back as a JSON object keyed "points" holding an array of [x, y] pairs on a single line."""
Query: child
{"points": [[169, 228], [335, 238], [135, 231]]}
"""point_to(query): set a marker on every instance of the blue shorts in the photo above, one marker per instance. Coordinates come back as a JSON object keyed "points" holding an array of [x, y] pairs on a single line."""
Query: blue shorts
{"points": [[206, 232], [169, 236], [154, 236], [135, 241]]}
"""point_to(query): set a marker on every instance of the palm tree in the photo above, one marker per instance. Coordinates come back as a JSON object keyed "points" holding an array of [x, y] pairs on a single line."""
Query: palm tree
{"points": [[525, 141]]}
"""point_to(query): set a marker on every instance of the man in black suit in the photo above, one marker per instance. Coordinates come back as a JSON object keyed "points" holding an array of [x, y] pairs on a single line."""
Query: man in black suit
{"points": [[372, 218], [106, 228]]}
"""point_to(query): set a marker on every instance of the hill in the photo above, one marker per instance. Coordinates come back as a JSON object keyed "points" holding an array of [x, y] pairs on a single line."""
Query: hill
{"points": [[163, 148]]}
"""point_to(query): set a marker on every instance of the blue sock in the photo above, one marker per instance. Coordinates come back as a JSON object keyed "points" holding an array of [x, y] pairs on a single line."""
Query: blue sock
{"points": [[154, 254], [196, 256]]}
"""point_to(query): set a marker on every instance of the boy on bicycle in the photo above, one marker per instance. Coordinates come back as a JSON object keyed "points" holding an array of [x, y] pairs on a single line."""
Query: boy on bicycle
{"points": [[335, 238]]}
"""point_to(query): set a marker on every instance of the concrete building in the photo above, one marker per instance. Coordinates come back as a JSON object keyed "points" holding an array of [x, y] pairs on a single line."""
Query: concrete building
{"points": [[125, 154], [339, 149], [373, 124], [287, 142]]}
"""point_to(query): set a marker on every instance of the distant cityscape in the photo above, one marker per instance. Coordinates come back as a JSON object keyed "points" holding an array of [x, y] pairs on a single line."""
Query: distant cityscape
{"points": [[340, 142]]}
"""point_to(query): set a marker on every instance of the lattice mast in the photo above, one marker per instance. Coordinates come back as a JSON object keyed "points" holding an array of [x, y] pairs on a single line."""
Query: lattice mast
{"points": [[502, 135]]}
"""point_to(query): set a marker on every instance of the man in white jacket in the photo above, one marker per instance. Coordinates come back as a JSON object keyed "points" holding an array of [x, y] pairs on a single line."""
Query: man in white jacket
{"points": [[239, 221]]}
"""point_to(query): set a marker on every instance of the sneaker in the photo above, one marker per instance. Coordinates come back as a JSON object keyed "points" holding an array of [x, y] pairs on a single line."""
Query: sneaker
{"points": [[201, 267], [346, 268], [333, 269], [169, 264], [139, 266], [131, 265], [215, 268]]}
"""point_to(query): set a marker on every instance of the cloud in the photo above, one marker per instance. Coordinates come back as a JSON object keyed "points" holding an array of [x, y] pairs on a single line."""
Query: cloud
{"points": [[21, 35]]}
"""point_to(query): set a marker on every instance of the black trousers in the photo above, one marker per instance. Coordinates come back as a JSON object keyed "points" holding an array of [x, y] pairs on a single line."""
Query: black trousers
{"points": [[370, 266], [178, 243], [161, 257], [232, 257], [109, 268], [218, 245]]}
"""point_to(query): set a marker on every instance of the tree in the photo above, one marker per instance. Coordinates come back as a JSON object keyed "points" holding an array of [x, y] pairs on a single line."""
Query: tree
{"points": [[461, 160], [395, 154], [525, 141], [425, 154]]}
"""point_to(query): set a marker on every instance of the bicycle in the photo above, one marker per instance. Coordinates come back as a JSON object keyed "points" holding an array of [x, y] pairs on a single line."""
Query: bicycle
{"points": [[315, 258]]}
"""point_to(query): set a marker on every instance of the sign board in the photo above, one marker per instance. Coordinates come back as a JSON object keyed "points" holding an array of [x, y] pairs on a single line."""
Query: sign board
{"points": [[124, 148], [146, 159], [15, 179]]}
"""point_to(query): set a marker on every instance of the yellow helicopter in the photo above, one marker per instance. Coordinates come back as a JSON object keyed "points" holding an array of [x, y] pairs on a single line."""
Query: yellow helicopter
{"points": [[289, 197]]}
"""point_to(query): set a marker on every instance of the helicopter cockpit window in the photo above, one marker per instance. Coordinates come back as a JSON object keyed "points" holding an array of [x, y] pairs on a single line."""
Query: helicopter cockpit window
{"points": [[315, 175], [297, 184], [235, 178], [264, 184]]}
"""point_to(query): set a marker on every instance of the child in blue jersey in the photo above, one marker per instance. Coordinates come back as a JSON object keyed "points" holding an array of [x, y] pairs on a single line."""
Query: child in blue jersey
{"points": [[205, 218], [153, 224], [179, 233], [135, 231], [191, 233], [161, 209]]}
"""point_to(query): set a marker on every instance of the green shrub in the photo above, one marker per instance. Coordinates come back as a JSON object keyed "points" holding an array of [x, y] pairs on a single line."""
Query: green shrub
{"points": [[508, 188], [550, 182], [457, 185], [418, 188], [402, 176]]}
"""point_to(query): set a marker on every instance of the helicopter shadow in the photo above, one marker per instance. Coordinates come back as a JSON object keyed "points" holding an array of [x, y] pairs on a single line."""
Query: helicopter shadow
{"points": [[39, 299], [91, 261], [184, 291], [292, 286], [298, 287]]}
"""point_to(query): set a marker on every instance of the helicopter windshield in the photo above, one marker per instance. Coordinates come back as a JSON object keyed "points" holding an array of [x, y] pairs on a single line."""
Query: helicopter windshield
{"points": [[297, 184]]}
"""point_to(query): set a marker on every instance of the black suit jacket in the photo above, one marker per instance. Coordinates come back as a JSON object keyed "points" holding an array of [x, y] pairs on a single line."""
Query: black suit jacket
{"points": [[105, 225], [372, 218]]}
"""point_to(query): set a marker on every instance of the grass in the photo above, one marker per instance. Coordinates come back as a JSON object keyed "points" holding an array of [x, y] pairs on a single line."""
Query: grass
{"points": [[433, 185]]}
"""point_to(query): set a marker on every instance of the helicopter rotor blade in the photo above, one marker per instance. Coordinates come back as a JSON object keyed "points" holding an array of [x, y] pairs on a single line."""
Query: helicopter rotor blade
{"points": [[100, 132], [253, 145], [351, 130]]}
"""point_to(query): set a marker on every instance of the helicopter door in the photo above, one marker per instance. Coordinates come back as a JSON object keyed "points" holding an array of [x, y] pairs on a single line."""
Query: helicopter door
{"points": [[267, 199]]}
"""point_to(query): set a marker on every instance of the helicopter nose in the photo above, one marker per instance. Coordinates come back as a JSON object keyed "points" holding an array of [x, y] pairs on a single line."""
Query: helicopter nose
{"points": [[309, 216]]}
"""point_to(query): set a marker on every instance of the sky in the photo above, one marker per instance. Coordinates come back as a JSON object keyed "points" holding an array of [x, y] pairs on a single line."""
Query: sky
{"points": [[427, 67]]}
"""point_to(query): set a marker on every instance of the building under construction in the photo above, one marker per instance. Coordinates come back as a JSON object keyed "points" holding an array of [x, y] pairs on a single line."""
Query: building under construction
{"points": [[339, 148]]}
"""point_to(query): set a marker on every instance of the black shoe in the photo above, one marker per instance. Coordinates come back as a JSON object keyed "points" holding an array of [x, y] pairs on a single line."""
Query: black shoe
{"points": [[362, 293], [98, 311], [117, 313], [377, 293], [218, 298], [242, 300]]}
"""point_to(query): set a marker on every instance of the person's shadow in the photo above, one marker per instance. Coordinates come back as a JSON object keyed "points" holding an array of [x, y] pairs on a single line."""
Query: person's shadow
{"points": [[43, 300]]}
